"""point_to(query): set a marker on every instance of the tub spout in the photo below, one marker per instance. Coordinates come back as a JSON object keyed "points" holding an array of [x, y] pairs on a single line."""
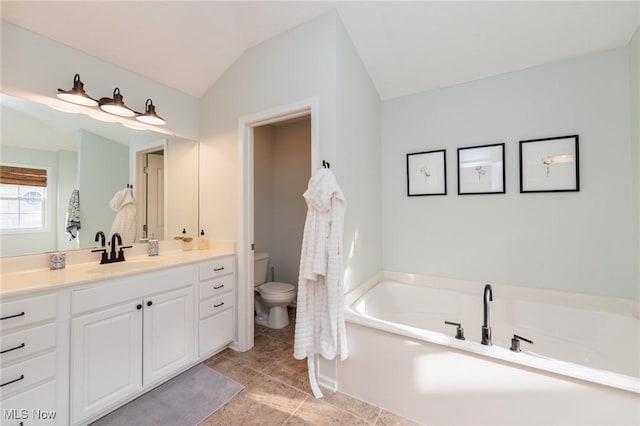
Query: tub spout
{"points": [[486, 329]]}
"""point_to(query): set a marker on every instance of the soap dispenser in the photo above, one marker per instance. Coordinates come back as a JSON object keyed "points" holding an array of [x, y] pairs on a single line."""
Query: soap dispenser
{"points": [[203, 243], [186, 240]]}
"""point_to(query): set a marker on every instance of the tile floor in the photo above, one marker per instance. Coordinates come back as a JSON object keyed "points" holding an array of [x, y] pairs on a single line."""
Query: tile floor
{"points": [[277, 391]]}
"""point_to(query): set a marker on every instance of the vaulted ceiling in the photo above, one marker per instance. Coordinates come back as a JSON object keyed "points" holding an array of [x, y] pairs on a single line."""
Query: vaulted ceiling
{"points": [[407, 47]]}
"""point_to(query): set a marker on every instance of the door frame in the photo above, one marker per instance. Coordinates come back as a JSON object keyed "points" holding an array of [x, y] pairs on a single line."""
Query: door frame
{"points": [[244, 251], [136, 175]]}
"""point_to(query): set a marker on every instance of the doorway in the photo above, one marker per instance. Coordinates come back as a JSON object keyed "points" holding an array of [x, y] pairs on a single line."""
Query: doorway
{"points": [[246, 235], [281, 171], [150, 183], [153, 226]]}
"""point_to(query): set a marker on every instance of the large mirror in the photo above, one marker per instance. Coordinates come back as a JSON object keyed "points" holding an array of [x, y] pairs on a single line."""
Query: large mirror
{"points": [[107, 167]]}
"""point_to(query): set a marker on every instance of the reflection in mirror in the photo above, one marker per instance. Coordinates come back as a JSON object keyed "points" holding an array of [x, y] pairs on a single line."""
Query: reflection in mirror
{"points": [[90, 161]]}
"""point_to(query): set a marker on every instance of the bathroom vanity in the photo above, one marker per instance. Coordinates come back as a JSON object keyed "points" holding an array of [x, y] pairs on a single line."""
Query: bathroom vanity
{"points": [[80, 342]]}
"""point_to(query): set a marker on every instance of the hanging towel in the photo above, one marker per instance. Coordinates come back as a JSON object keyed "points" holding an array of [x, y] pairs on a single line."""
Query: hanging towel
{"points": [[320, 327], [125, 221], [73, 215]]}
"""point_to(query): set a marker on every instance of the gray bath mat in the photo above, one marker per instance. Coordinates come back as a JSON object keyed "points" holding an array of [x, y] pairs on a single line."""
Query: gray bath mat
{"points": [[185, 400]]}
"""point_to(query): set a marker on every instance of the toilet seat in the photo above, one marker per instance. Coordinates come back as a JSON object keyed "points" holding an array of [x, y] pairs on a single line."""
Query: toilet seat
{"points": [[275, 287]]}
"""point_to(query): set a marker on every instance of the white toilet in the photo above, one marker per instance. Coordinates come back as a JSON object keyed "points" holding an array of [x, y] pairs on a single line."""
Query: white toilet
{"points": [[271, 298]]}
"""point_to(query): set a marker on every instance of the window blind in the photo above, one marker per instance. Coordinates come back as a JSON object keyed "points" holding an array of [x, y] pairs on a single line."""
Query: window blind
{"points": [[23, 176]]}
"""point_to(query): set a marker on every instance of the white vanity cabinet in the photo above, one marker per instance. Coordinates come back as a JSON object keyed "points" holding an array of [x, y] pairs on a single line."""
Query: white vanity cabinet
{"points": [[72, 354], [128, 334], [29, 360], [216, 298]]}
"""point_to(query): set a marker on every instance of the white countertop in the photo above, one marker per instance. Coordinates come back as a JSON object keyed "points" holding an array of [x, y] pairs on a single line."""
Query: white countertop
{"points": [[36, 280]]}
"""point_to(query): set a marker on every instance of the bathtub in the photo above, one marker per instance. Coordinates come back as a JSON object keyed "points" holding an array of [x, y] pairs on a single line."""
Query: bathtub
{"points": [[582, 368]]}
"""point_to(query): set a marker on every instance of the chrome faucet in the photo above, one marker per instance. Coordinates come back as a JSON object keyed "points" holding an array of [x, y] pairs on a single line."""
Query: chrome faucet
{"points": [[486, 330]]}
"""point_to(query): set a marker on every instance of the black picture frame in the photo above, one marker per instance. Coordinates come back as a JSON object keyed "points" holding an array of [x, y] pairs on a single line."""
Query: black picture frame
{"points": [[550, 164], [427, 173], [487, 164]]}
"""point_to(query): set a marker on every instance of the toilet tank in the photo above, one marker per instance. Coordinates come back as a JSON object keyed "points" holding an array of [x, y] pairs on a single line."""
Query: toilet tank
{"points": [[260, 268]]}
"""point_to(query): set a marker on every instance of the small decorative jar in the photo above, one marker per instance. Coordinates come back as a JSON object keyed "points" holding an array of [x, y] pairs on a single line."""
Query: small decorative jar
{"points": [[56, 261], [154, 247]]}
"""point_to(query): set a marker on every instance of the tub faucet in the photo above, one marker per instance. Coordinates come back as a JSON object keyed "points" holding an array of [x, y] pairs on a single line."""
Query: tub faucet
{"points": [[486, 330]]}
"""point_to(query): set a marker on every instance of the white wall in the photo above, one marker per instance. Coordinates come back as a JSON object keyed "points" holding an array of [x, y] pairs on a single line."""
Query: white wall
{"points": [[29, 242], [358, 162], [281, 174], [579, 242], [296, 65], [634, 78], [98, 159], [34, 66]]}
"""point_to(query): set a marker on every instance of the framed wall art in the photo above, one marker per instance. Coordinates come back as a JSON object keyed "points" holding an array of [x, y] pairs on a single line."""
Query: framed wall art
{"points": [[550, 164], [427, 173], [481, 169]]}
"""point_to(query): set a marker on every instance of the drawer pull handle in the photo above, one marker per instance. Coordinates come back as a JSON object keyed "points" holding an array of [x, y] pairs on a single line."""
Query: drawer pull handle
{"points": [[13, 381], [13, 316], [149, 303], [218, 269], [12, 349], [216, 287], [218, 305]]}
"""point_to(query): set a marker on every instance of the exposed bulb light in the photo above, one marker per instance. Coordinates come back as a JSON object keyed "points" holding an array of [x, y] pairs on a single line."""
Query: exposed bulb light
{"points": [[115, 105], [77, 95], [150, 116]]}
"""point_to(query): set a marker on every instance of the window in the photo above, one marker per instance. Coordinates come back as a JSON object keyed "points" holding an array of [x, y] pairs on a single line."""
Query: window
{"points": [[23, 198]]}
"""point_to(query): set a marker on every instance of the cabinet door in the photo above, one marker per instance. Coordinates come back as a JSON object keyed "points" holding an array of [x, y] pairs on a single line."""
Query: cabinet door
{"points": [[168, 333], [106, 358]]}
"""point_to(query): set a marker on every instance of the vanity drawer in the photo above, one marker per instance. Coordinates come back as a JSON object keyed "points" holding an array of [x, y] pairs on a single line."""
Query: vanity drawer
{"points": [[27, 311], [217, 267], [216, 286], [19, 376], [216, 304], [27, 342], [215, 332]]}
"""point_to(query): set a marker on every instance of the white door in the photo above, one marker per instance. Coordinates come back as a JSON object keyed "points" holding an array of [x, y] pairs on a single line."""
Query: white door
{"points": [[155, 196], [106, 358], [168, 333]]}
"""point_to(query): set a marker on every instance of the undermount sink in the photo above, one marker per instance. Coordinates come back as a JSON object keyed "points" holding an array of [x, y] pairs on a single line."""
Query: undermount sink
{"points": [[126, 266]]}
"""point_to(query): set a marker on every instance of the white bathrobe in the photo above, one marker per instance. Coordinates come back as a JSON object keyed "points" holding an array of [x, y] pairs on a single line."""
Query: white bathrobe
{"points": [[320, 325], [125, 221]]}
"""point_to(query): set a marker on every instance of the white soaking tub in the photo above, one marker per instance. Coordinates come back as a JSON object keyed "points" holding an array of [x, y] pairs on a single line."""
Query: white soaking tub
{"points": [[582, 368]]}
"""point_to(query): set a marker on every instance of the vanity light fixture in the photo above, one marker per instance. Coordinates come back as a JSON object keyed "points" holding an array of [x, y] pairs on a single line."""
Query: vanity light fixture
{"points": [[116, 105], [150, 116], [77, 95]]}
